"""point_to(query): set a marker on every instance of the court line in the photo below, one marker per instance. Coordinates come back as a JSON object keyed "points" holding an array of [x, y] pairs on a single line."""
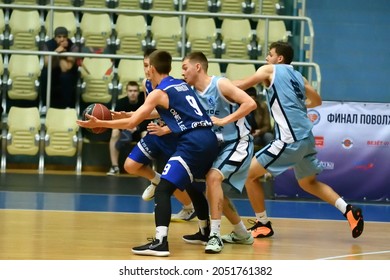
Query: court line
{"points": [[355, 255]]}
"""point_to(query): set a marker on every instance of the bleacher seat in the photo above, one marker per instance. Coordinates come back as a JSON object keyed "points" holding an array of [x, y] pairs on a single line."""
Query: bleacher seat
{"points": [[24, 71], [198, 6], [163, 5], [176, 71], [131, 40], [201, 35], [2, 28], [61, 18], [61, 132], [267, 7], [25, 26], [96, 29], [166, 33], [237, 71], [214, 69], [23, 133], [236, 6], [276, 32], [97, 75], [124, 75], [236, 35], [102, 4]]}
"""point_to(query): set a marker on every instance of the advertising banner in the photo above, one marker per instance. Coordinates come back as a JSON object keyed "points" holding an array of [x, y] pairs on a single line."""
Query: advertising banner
{"points": [[353, 144]]}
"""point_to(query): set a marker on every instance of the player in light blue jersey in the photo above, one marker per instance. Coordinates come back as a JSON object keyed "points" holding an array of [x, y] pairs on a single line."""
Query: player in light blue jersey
{"points": [[228, 107], [197, 145], [288, 95]]}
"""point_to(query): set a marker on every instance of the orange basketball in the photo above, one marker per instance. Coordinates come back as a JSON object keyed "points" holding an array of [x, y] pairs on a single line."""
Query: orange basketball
{"points": [[99, 111]]}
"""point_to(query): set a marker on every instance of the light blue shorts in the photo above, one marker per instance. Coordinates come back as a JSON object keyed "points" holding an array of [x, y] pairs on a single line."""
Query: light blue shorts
{"points": [[233, 161], [278, 156]]}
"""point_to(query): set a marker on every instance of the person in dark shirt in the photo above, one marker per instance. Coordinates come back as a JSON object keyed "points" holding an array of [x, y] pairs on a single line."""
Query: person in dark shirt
{"points": [[121, 138], [64, 72]]}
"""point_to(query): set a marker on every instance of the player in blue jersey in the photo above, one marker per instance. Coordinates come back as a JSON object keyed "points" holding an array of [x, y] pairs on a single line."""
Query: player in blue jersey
{"points": [[154, 146], [228, 107], [197, 145], [288, 96]]}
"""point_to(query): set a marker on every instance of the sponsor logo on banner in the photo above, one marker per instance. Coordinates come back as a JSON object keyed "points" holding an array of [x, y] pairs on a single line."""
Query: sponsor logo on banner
{"points": [[314, 116], [347, 143], [327, 165], [363, 166], [378, 143], [319, 141]]}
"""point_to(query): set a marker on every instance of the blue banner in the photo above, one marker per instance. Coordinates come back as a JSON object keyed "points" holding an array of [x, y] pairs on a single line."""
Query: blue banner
{"points": [[353, 144]]}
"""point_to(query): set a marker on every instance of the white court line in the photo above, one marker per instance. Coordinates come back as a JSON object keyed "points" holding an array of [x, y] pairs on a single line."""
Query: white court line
{"points": [[354, 255]]}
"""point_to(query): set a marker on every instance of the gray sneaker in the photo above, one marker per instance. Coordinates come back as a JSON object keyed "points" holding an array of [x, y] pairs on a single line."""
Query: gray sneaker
{"points": [[214, 245], [236, 239], [184, 215]]}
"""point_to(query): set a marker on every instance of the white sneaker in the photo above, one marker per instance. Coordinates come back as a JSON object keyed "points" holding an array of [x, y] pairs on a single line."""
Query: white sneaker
{"points": [[114, 170], [214, 245], [148, 193], [236, 239], [184, 215]]}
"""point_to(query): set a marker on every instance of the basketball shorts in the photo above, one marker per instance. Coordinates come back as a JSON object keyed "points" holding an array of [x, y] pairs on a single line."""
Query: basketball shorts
{"points": [[233, 161], [151, 147], [278, 156], [195, 153]]}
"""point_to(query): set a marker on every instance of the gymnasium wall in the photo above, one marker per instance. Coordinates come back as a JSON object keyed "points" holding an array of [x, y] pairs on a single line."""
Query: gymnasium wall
{"points": [[352, 47]]}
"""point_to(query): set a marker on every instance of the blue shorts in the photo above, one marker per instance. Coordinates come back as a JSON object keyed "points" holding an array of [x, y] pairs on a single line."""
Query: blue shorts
{"points": [[233, 161], [196, 150], [278, 156], [151, 147]]}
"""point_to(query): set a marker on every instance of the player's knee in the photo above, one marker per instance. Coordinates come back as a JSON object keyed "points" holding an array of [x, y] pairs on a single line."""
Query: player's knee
{"points": [[132, 167]]}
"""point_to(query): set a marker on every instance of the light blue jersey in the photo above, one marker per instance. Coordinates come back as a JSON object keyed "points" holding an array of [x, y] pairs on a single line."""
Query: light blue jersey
{"points": [[217, 105], [286, 101], [294, 142], [236, 143]]}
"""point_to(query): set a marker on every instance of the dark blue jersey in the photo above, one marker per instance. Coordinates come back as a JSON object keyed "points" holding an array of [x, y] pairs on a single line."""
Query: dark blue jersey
{"points": [[185, 111]]}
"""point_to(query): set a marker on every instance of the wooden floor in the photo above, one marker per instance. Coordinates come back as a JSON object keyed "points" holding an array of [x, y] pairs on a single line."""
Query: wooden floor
{"points": [[73, 235]]}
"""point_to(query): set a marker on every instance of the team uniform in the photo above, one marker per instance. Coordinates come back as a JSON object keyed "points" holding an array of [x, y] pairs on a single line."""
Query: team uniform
{"points": [[152, 147], [235, 140], [294, 142], [197, 145]]}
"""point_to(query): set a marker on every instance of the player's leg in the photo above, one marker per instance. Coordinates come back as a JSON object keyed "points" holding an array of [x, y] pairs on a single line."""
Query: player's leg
{"points": [[196, 193], [114, 152], [162, 214]]}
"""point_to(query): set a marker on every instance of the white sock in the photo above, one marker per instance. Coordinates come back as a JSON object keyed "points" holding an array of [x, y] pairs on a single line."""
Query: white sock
{"points": [[215, 227], [156, 178], [262, 217], [341, 205], [240, 229], [189, 206], [161, 232]]}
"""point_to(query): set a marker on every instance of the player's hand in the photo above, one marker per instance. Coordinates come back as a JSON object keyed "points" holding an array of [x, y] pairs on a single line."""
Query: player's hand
{"points": [[155, 129], [91, 122], [119, 115], [217, 121]]}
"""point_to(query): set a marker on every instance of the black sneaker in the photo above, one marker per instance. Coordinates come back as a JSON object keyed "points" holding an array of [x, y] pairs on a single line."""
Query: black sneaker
{"points": [[155, 248], [260, 230], [355, 220], [198, 238]]}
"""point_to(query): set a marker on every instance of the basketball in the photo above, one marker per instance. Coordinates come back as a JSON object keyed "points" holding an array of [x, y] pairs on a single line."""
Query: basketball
{"points": [[99, 111]]}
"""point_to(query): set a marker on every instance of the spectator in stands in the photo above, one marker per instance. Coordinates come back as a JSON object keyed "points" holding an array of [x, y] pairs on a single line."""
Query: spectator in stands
{"points": [[260, 121], [122, 138], [64, 71]]}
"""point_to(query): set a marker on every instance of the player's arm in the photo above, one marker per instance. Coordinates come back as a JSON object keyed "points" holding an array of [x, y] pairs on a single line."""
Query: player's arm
{"points": [[313, 98], [236, 95], [154, 99], [263, 75]]}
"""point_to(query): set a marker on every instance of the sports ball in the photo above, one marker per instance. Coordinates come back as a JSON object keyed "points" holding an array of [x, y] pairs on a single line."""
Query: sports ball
{"points": [[99, 111]]}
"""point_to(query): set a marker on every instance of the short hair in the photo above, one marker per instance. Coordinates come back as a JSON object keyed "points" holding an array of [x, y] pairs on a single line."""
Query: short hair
{"points": [[284, 49], [252, 91], [132, 84], [198, 57], [161, 60], [148, 52]]}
